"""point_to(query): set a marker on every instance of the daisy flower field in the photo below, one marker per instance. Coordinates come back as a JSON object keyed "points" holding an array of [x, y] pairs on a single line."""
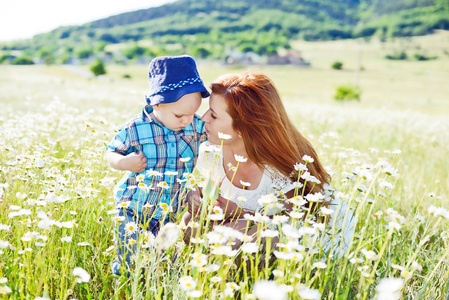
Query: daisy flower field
{"points": [[57, 213]]}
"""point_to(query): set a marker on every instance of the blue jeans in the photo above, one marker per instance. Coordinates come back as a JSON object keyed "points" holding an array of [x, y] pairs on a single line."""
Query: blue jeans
{"points": [[124, 249]]}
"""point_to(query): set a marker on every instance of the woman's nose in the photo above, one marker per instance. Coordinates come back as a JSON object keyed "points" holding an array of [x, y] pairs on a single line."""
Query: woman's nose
{"points": [[204, 117]]}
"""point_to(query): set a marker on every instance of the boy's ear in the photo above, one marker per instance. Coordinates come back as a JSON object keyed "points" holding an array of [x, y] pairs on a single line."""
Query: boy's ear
{"points": [[156, 107]]}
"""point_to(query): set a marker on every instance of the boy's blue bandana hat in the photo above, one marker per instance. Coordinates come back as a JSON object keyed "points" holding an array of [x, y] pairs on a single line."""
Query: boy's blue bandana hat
{"points": [[172, 77]]}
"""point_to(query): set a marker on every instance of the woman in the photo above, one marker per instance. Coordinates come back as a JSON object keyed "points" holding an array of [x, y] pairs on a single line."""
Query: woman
{"points": [[262, 151]]}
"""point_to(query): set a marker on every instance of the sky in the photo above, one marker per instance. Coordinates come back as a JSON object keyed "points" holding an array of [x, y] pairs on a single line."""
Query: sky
{"points": [[21, 19]]}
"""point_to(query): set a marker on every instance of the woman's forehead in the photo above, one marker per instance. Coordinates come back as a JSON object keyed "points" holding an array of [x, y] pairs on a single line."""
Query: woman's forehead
{"points": [[217, 102]]}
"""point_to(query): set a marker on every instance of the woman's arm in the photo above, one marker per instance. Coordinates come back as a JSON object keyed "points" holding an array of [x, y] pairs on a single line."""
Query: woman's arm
{"points": [[194, 199], [230, 209]]}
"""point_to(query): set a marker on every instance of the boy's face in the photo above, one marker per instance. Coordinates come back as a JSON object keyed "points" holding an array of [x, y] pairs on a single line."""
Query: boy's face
{"points": [[179, 114]]}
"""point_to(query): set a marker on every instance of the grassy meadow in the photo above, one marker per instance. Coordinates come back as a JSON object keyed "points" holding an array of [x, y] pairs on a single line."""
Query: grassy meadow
{"points": [[387, 155]]}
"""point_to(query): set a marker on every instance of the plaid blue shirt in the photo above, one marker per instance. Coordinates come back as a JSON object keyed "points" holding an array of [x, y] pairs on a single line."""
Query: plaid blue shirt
{"points": [[163, 149]]}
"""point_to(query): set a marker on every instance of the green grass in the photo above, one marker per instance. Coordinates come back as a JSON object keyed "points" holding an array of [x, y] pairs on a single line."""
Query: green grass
{"points": [[65, 119]]}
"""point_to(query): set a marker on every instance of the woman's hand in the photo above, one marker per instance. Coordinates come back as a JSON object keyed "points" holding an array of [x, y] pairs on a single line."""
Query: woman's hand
{"points": [[194, 202], [230, 209]]}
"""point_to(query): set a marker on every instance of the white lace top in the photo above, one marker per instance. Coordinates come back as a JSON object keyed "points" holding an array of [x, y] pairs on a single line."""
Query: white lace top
{"points": [[210, 163], [341, 226]]}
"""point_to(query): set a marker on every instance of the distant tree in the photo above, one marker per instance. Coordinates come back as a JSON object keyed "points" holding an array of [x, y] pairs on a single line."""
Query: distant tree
{"points": [[65, 34], [108, 38], [46, 55], [99, 47], [338, 65], [347, 93], [201, 52], [134, 52], [397, 56], [23, 60], [7, 57], [421, 57], [98, 68], [84, 53]]}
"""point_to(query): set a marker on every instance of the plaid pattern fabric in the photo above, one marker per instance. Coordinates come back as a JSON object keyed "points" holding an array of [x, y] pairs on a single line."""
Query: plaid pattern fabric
{"points": [[164, 149]]}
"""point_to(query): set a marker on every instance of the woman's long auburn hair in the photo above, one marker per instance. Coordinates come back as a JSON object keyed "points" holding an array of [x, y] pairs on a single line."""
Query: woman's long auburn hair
{"points": [[270, 138]]}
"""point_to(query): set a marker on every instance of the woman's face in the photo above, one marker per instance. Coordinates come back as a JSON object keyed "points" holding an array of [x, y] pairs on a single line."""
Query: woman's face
{"points": [[218, 120]]}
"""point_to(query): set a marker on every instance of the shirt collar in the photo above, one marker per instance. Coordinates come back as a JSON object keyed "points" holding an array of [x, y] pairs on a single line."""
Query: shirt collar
{"points": [[146, 111]]}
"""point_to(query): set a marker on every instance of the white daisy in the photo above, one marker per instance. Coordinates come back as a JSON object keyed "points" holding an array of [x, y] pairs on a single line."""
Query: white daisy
{"points": [[268, 290], [307, 159], [130, 228], [311, 294], [240, 158], [82, 275], [187, 283], [66, 239], [224, 136]]}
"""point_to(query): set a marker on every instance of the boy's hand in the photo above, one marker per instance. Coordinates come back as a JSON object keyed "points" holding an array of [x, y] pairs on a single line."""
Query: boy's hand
{"points": [[135, 162]]}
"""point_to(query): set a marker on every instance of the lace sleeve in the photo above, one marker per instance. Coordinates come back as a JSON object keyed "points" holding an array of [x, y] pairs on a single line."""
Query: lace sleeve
{"points": [[279, 182], [208, 159]]}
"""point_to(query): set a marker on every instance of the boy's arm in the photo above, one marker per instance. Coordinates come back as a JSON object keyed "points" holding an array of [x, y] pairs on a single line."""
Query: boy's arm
{"points": [[134, 162]]}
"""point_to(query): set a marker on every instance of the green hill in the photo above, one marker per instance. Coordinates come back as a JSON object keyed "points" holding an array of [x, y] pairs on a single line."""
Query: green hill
{"points": [[211, 28]]}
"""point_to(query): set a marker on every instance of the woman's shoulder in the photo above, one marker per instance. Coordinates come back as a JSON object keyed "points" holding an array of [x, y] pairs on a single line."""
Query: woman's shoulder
{"points": [[277, 180], [209, 158], [209, 148]]}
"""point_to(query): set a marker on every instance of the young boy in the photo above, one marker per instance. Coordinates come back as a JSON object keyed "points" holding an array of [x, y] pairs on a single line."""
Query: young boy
{"points": [[157, 147]]}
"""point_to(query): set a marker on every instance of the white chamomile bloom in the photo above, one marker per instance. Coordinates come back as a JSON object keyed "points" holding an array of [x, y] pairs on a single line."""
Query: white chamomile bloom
{"points": [[265, 290], [245, 184], [167, 236], [307, 293], [118, 218], [184, 159], [356, 260], [224, 136], [217, 214], [307, 159], [82, 275], [369, 254], [124, 204], [241, 199], [319, 265], [300, 167], [194, 294], [66, 239], [249, 248], [389, 288], [4, 289], [416, 266], [130, 228], [269, 233], [326, 211], [187, 283], [240, 158], [199, 261], [163, 185]]}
